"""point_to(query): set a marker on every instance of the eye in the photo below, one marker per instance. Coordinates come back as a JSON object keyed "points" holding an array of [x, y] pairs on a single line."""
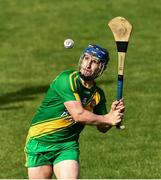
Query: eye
{"points": [[87, 57], [95, 61]]}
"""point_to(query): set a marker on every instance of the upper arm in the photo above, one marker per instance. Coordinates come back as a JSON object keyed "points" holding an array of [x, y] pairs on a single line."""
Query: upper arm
{"points": [[75, 108]]}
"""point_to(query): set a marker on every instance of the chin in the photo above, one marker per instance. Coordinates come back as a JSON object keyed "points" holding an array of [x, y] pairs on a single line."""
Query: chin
{"points": [[86, 78]]}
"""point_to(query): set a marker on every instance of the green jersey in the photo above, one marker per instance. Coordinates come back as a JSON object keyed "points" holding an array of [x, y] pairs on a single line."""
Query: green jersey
{"points": [[52, 122]]}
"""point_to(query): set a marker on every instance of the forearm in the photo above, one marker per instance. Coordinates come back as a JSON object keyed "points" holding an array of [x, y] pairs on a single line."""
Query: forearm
{"points": [[79, 114], [87, 117]]}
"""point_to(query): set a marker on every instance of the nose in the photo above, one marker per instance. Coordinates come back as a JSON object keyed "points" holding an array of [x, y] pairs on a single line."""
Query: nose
{"points": [[89, 63]]}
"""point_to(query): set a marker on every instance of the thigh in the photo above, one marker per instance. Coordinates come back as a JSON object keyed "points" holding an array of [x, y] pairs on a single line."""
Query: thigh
{"points": [[66, 164], [67, 169], [40, 172]]}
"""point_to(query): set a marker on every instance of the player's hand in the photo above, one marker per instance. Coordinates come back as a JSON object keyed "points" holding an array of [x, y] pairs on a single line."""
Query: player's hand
{"points": [[113, 117], [119, 105]]}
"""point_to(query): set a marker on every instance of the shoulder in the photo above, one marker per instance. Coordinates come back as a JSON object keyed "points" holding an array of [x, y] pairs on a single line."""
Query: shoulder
{"points": [[65, 79], [67, 74], [64, 76], [70, 77]]}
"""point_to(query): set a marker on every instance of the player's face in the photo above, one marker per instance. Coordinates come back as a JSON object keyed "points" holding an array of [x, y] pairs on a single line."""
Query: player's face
{"points": [[90, 66]]}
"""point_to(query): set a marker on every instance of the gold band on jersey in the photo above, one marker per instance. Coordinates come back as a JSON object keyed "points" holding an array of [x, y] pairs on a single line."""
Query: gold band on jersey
{"points": [[49, 127], [72, 85]]}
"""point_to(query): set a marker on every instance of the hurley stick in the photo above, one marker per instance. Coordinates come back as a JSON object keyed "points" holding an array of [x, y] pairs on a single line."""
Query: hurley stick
{"points": [[121, 30]]}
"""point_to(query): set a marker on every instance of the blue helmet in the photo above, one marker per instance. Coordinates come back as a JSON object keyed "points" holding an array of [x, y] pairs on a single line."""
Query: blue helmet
{"points": [[101, 53]]}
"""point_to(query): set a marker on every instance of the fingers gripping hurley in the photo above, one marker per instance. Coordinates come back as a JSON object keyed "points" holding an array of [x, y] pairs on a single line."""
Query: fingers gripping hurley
{"points": [[121, 30]]}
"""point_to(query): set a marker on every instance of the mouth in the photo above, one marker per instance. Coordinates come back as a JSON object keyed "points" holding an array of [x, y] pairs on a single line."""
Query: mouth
{"points": [[87, 72]]}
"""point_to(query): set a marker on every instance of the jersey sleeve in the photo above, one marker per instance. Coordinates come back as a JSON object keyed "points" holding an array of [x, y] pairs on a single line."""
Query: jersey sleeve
{"points": [[65, 86], [100, 108]]}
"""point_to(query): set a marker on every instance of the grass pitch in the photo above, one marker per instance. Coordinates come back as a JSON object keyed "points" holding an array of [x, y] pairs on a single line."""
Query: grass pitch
{"points": [[32, 54]]}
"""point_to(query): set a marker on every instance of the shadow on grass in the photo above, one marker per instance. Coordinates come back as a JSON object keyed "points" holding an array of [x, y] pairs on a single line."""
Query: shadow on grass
{"points": [[25, 94]]}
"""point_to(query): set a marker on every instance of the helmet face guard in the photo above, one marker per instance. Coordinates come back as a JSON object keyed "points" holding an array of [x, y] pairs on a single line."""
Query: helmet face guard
{"points": [[100, 53]]}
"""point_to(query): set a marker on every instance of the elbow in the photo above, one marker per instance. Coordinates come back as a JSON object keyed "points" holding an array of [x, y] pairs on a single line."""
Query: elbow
{"points": [[77, 118]]}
